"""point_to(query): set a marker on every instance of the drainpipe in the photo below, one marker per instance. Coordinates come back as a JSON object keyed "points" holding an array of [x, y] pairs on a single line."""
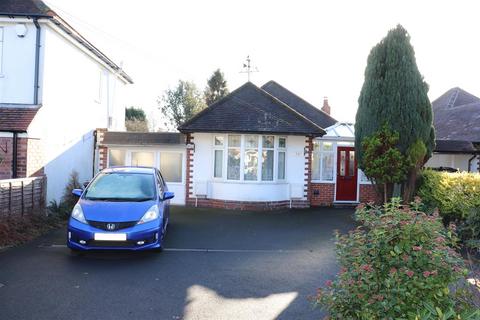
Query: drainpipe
{"points": [[14, 155], [470, 161], [37, 62]]}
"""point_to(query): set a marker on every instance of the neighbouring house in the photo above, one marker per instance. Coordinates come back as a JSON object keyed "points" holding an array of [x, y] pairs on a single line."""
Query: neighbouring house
{"points": [[456, 118], [56, 88]]}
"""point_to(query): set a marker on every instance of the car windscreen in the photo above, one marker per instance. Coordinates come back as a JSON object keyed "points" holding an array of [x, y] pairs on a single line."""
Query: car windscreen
{"points": [[122, 186]]}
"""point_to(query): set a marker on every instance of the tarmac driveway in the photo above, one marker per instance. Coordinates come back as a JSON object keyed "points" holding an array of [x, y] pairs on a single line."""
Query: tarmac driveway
{"points": [[217, 264]]}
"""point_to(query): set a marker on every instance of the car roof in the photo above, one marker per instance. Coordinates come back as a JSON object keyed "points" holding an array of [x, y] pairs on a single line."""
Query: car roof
{"points": [[128, 169]]}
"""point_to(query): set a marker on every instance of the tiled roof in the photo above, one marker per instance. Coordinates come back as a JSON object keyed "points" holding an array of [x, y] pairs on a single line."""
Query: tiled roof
{"points": [[39, 9], [16, 119], [308, 110], [251, 109], [454, 146], [456, 116], [142, 138]]}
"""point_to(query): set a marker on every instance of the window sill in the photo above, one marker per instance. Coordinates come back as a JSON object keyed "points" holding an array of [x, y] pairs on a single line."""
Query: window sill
{"points": [[250, 182], [321, 181]]}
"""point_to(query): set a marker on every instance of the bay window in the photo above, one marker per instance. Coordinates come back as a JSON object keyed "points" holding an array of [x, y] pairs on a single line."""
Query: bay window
{"points": [[323, 161], [249, 157]]}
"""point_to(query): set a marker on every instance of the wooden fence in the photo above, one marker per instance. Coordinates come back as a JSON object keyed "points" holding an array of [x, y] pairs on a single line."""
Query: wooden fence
{"points": [[22, 196]]}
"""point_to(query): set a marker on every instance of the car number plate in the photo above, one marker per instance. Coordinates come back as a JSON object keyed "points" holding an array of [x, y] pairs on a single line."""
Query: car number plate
{"points": [[110, 236]]}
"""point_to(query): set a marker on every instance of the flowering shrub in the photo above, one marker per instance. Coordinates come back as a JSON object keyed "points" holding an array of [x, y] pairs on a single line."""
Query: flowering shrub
{"points": [[397, 261]]}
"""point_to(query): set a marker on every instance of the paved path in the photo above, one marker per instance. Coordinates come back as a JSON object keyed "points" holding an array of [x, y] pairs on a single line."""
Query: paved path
{"points": [[217, 265]]}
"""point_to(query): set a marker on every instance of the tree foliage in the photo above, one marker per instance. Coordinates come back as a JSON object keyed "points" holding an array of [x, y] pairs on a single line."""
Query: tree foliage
{"points": [[181, 104], [383, 162], [136, 120], [394, 93], [216, 87]]}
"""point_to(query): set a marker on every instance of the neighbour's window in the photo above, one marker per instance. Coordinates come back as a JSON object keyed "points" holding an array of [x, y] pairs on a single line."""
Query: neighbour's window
{"points": [[251, 158], [362, 176], [143, 159], [268, 143], [322, 161], [218, 157], [1, 50], [233, 162], [171, 166], [282, 144], [116, 157]]}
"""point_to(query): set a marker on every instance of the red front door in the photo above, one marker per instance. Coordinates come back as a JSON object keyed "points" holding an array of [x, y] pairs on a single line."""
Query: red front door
{"points": [[346, 174]]}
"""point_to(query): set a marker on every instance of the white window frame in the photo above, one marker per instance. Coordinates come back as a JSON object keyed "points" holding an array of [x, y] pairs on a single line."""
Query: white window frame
{"points": [[182, 167], [2, 31], [226, 147], [319, 154]]}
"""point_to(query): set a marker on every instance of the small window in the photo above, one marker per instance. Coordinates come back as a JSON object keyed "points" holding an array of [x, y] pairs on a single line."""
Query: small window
{"points": [[116, 157], [282, 142], [268, 141], [234, 141], [218, 164], [251, 158], [327, 146], [281, 165], [327, 167], [234, 155], [171, 166], [143, 159]]}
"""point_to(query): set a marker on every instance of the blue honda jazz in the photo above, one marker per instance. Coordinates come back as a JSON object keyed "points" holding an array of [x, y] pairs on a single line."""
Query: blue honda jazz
{"points": [[124, 208]]}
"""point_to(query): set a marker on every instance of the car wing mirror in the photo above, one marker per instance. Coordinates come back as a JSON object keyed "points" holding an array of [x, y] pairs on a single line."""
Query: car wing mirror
{"points": [[167, 195], [85, 184], [77, 192]]}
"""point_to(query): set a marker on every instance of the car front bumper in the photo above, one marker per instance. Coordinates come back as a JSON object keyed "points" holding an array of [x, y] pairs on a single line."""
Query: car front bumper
{"points": [[146, 236]]}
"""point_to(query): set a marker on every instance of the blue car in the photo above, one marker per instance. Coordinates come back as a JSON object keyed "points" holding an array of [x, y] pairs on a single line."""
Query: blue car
{"points": [[124, 208]]}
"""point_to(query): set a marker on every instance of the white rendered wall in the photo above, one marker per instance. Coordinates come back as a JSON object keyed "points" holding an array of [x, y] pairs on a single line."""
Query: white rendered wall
{"points": [[222, 189], [457, 161], [72, 108], [18, 63]]}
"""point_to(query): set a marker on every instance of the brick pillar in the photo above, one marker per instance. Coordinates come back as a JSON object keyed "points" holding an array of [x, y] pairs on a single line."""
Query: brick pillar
{"points": [[189, 168], [101, 149], [308, 168]]}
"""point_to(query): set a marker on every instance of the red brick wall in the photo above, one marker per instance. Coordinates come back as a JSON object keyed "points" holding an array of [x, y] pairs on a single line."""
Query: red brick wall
{"points": [[322, 194], [368, 194], [6, 157], [246, 205]]}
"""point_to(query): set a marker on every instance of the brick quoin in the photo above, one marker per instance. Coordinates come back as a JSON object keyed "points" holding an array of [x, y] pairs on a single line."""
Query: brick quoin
{"points": [[189, 171]]}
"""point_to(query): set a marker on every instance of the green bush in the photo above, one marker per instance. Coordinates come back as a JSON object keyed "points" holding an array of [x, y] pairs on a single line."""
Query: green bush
{"points": [[454, 194], [394, 264], [469, 229]]}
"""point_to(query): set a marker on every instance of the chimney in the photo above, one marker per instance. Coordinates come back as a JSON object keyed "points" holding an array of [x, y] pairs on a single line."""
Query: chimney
{"points": [[326, 106]]}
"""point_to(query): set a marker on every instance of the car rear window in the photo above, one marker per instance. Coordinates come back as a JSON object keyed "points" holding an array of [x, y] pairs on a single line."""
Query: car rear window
{"points": [[122, 186]]}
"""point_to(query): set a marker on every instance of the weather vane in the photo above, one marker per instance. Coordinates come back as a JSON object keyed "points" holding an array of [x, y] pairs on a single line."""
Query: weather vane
{"points": [[248, 68]]}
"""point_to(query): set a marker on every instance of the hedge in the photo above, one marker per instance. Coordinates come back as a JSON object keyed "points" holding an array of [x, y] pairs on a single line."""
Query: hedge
{"points": [[454, 194]]}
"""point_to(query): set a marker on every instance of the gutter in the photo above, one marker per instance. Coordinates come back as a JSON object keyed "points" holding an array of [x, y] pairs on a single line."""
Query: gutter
{"points": [[37, 62]]}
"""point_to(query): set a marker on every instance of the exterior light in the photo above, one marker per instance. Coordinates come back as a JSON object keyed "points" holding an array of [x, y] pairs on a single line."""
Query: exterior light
{"points": [[21, 30]]}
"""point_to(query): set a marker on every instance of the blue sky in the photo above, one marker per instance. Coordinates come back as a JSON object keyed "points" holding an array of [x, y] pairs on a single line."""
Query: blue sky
{"points": [[314, 48]]}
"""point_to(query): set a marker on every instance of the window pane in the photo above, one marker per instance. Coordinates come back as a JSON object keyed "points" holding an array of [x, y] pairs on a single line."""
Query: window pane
{"points": [[144, 159], [233, 164], [282, 142], [218, 166], [315, 166], [267, 165], [327, 166], [268, 141], [342, 163], [281, 165], [116, 157], [171, 166], [363, 177], [251, 141], [251, 165], [316, 145], [327, 146], [351, 164], [233, 141], [218, 140]]}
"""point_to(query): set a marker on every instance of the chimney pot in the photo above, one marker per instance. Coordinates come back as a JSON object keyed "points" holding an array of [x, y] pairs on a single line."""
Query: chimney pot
{"points": [[326, 106]]}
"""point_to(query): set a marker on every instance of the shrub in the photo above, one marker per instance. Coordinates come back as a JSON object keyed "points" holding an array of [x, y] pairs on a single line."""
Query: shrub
{"points": [[68, 199], [469, 229], [394, 264]]}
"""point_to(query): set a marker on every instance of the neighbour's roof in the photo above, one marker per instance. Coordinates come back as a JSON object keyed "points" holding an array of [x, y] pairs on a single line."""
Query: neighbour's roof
{"points": [[37, 8], [142, 138], [16, 119], [308, 110], [455, 146], [250, 109], [456, 116]]}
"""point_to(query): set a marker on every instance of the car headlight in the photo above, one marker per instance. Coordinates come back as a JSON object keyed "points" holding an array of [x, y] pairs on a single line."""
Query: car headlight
{"points": [[77, 214], [151, 214]]}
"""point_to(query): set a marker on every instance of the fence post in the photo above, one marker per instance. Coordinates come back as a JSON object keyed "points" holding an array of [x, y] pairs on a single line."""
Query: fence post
{"points": [[33, 196], [23, 199], [10, 198]]}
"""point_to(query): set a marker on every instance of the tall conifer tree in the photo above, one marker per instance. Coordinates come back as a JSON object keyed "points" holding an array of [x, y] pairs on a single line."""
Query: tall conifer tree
{"points": [[394, 94]]}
